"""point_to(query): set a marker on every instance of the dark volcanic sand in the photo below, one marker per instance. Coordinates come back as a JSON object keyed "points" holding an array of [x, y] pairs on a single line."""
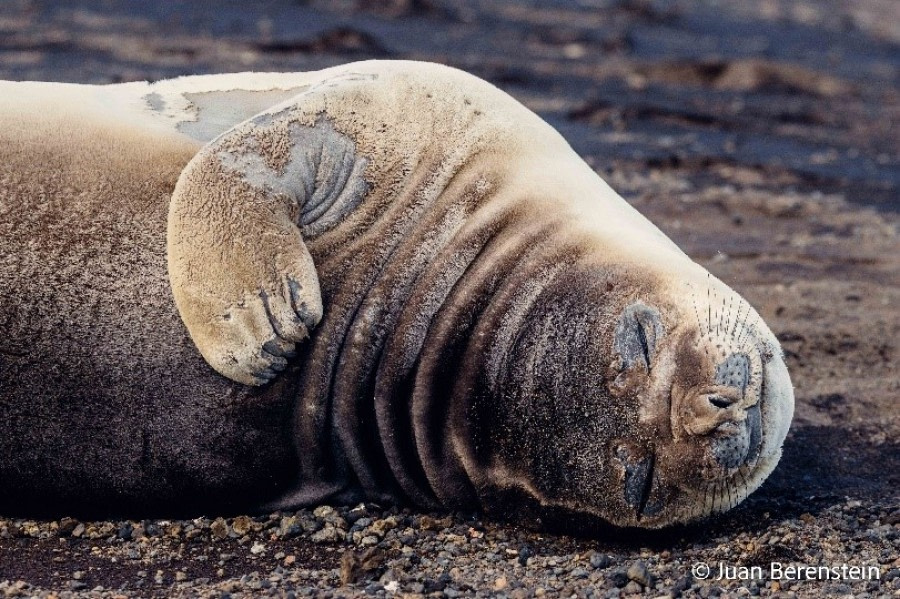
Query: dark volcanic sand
{"points": [[761, 135]]}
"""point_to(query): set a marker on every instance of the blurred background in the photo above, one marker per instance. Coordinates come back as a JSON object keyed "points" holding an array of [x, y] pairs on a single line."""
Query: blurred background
{"points": [[803, 93]]}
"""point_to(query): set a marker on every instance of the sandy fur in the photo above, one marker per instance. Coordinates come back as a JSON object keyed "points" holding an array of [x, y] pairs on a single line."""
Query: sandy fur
{"points": [[439, 264]]}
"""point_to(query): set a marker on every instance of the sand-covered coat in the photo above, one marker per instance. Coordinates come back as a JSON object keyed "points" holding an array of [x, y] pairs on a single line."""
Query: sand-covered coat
{"points": [[421, 292]]}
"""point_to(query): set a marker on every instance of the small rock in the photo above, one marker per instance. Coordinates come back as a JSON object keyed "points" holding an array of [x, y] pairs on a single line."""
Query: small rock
{"points": [[257, 548], [356, 568], [578, 573], [600, 560], [432, 585], [380, 527], [618, 578], [219, 528], [501, 583], [329, 534], [638, 573], [241, 525], [429, 523], [67, 525], [390, 575], [631, 588], [417, 588], [682, 584], [324, 512], [289, 527]]}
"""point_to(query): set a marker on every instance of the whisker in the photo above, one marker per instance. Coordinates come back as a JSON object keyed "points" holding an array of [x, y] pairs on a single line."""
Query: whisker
{"points": [[722, 316], [702, 506], [736, 321], [747, 329], [730, 498], [742, 472], [697, 315], [728, 313], [744, 325]]}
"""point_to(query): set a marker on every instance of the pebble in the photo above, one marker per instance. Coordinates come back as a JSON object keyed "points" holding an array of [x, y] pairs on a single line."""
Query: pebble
{"points": [[219, 528], [638, 573], [241, 525], [599, 560], [257, 548]]}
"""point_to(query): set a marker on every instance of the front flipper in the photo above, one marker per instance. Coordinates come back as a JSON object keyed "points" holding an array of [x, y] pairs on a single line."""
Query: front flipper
{"points": [[243, 280]]}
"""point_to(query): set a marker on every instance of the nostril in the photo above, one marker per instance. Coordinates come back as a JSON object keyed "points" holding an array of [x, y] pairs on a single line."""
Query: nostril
{"points": [[707, 408], [720, 402]]}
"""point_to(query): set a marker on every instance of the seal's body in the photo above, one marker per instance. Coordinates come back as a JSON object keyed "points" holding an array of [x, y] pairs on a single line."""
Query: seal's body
{"points": [[490, 326], [105, 403]]}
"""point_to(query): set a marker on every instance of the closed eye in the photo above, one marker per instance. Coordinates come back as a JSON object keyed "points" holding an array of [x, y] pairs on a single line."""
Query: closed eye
{"points": [[645, 346], [638, 334]]}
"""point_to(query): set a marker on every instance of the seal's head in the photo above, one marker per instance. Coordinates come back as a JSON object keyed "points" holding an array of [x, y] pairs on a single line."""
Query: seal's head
{"points": [[643, 401], [713, 398]]}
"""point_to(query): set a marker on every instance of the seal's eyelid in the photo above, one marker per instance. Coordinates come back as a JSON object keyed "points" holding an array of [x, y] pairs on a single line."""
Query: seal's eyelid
{"points": [[646, 349], [649, 332], [637, 335]]}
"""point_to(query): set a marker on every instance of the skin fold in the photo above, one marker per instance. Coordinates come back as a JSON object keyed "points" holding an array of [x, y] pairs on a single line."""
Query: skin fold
{"points": [[386, 281]]}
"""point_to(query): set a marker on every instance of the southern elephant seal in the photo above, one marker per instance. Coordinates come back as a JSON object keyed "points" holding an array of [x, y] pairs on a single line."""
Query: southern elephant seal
{"points": [[423, 293]]}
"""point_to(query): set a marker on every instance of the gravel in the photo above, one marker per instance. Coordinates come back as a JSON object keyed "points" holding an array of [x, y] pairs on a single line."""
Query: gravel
{"points": [[415, 555]]}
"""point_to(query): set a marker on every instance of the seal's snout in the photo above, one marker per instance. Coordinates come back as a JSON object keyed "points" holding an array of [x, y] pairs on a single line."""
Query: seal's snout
{"points": [[726, 414], [734, 371], [740, 444]]}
